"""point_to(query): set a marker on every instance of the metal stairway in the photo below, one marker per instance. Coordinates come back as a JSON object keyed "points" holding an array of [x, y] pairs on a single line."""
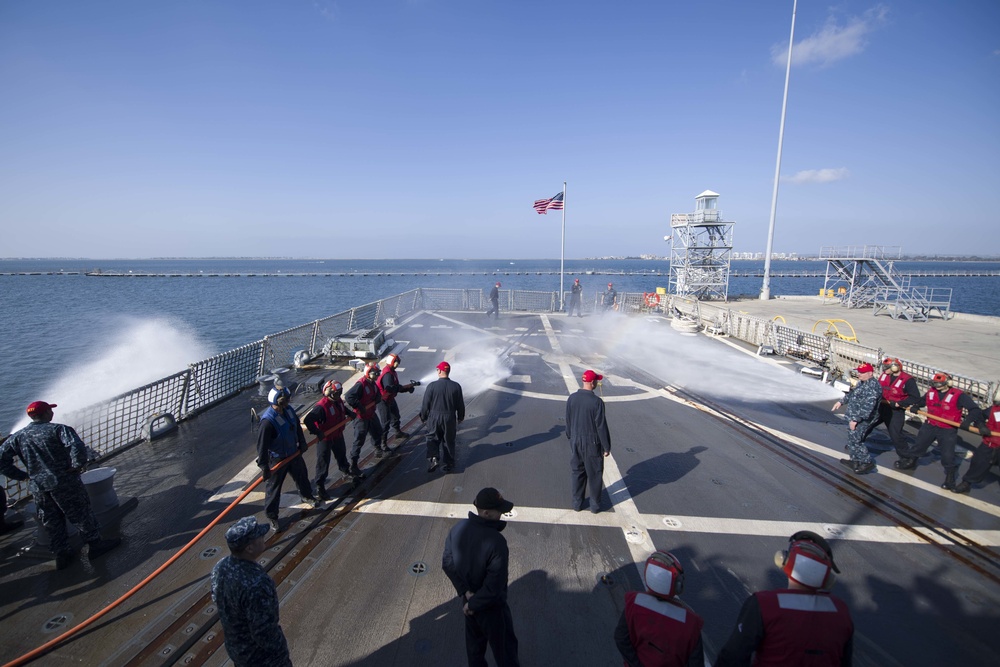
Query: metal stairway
{"points": [[864, 276]]}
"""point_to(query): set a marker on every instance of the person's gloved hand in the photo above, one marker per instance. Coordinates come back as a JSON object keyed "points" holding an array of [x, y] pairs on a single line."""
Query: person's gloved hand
{"points": [[265, 472]]}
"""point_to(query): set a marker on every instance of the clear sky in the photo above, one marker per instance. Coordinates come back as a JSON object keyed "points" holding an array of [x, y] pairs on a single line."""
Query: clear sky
{"points": [[427, 128]]}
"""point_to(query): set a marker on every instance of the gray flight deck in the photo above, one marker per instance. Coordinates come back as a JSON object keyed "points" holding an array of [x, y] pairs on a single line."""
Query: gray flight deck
{"points": [[718, 455]]}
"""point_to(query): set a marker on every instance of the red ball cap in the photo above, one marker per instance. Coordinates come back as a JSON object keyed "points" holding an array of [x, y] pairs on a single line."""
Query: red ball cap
{"points": [[865, 368], [40, 406], [591, 376], [444, 366]]}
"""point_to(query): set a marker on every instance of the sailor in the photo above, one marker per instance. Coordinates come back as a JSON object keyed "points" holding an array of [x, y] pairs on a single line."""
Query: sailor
{"points": [[326, 421], [444, 409], [589, 440], [388, 386], [476, 561], [862, 405], [55, 457], [803, 624], [656, 627], [247, 600], [575, 295], [609, 300], [987, 454], [279, 440], [363, 398], [899, 391], [947, 402], [494, 301]]}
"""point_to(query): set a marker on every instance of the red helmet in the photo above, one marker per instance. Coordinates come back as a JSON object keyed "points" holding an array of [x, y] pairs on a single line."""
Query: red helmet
{"points": [[371, 367], [940, 380], [333, 386], [663, 576], [390, 359]]}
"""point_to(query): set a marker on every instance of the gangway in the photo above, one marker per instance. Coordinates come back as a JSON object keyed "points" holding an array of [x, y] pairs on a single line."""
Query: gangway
{"points": [[865, 276]]}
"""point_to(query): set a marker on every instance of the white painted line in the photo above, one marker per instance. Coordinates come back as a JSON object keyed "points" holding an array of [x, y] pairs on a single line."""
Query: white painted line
{"points": [[422, 348], [519, 379], [625, 517], [632, 523], [564, 368]]}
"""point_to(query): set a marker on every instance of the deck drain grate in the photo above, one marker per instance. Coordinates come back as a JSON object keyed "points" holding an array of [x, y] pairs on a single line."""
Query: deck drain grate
{"points": [[418, 569], [57, 622]]}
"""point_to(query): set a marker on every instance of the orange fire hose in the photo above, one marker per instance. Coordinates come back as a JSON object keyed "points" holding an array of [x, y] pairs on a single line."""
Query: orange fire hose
{"points": [[51, 644]]}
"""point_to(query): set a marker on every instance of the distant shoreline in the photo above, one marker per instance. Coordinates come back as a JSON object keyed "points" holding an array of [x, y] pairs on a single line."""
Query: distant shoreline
{"points": [[799, 258]]}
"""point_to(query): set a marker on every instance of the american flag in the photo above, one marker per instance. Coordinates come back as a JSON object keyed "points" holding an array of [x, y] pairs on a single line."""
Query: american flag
{"points": [[555, 203]]}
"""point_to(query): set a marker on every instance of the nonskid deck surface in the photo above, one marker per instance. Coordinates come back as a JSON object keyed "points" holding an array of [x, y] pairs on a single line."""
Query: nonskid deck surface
{"points": [[718, 456]]}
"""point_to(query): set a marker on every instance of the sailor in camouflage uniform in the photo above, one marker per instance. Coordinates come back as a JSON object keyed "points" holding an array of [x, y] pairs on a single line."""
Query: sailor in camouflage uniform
{"points": [[55, 456], [248, 601], [862, 407]]}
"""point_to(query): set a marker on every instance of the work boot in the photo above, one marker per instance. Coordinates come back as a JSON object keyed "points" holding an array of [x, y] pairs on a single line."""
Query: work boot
{"points": [[315, 502], [100, 547], [275, 524], [847, 462], [432, 464], [402, 434], [64, 559], [862, 468], [905, 463], [355, 471], [322, 494], [962, 487], [379, 452], [949, 481]]}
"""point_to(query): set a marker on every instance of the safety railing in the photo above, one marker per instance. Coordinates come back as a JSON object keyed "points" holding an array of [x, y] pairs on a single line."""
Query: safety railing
{"points": [[124, 420]]}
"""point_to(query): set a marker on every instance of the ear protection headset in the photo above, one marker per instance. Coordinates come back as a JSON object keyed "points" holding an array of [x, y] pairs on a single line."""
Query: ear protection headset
{"points": [[893, 365], [808, 561], [333, 385], [664, 575]]}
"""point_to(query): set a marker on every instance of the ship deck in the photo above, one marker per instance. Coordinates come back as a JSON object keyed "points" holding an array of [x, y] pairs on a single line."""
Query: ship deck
{"points": [[718, 455]]}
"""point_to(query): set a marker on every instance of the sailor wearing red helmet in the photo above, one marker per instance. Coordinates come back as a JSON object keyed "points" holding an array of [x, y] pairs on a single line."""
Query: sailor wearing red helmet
{"points": [[947, 403], [656, 627], [899, 391], [363, 397], [987, 454], [388, 387], [326, 421], [803, 624]]}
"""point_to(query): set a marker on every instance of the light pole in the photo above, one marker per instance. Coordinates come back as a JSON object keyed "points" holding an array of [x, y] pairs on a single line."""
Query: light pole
{"points": [[765, 290]]}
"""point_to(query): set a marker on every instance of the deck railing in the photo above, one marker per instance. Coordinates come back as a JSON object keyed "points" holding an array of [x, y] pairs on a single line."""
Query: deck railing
{"points": [[131, 417]]}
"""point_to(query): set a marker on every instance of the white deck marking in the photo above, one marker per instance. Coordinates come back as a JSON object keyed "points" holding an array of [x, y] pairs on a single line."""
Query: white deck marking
{"points": [[632, 524], [422, 348], [519, 379], [564, 368], [623, 518]]}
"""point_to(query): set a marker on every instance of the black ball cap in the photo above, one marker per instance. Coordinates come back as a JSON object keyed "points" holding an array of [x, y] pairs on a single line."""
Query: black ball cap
{"points": [[490, 499]]}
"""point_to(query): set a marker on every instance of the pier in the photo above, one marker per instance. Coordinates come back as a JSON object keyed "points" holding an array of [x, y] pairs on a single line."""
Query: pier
{"points": [[755, 273]]}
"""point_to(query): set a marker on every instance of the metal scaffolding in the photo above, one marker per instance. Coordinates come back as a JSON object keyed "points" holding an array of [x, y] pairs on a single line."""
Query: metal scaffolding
{"points": [[700, 250]]}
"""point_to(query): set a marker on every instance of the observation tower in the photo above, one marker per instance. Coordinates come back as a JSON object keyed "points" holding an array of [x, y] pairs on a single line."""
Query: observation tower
{"points": [[701, 245]]}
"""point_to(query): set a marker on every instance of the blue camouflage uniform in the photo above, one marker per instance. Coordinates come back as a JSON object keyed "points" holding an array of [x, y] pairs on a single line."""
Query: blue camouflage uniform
{"points": [[248, 610], [54, 456], [862, 406]]}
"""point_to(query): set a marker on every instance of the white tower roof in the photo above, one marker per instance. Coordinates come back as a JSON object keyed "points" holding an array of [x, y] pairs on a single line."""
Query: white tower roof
{"points": [[707, 193]]}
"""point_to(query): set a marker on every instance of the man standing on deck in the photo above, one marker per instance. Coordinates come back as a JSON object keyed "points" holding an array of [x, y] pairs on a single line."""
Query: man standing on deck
{"points": [[589, 440], [862, 405], [388, 386], [17, 523], [279, 440], [476, 560], [326, 421], [610, 298], [494, 301], [946, 402], [575, 296], [248, 601], [444, 408], [363, 398], [899, 391], [55, 456], [987, 454], [802, 624]]}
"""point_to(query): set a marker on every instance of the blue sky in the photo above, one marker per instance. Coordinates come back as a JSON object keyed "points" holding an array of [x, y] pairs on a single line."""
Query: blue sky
{"points": [[426, 128]]}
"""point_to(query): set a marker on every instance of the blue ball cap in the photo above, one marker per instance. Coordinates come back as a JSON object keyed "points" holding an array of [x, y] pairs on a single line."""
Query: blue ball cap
{"points": [[244, 531]]}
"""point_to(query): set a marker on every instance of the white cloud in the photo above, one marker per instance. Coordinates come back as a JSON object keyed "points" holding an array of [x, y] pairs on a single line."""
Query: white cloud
{"points": [[818, 176], [833, 42]]}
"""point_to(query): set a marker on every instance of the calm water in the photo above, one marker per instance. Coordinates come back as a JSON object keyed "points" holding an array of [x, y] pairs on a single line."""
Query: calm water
{"points": [[96, 337]]}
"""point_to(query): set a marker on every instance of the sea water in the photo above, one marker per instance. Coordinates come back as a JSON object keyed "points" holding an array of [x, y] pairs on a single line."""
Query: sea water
{"points": [[91, 338]]}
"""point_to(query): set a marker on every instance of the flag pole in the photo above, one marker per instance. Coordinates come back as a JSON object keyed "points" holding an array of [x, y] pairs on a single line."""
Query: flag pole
{"points": [[562, 251]]}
